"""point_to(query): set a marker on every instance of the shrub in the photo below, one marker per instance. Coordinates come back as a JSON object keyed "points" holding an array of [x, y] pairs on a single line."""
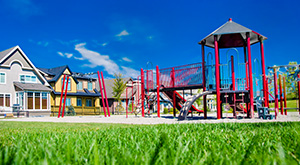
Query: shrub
{"points": [[71, 111], [166, 111]]}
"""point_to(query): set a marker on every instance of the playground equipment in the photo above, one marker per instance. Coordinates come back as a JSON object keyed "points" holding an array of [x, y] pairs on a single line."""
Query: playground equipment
{"points": [[64, 94], [285, 71], [213, 78]]}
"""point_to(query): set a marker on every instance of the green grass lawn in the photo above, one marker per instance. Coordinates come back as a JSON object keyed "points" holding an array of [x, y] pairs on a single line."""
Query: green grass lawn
{"points": [[231, 143], [289, 103]]}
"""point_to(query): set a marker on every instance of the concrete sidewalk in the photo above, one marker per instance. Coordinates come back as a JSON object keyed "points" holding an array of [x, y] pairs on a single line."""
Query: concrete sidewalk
{"points": [[164, 119]]}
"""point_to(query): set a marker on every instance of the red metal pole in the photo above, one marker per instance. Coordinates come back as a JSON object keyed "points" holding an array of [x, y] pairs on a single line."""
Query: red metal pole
{"points": [[138, 91], [143, 92], [267, 91], [101, 94], [217, 78], [263, 68], [61, 96], [66, 91], [299, 93], [132, 100], [126, 104], [246, 66], [250, 77], [204, 81], [280, 95], [174, 95], [107, 107], [284, 95], [233, 84], [157, 91], [276, 92]]}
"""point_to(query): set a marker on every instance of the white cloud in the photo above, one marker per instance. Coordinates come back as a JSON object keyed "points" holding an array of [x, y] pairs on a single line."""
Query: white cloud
{"points": [[78, 58], [123, 33], [126, 59], [104, 44], [68, 55], [129, 72], [96, 59], [60, 53]]}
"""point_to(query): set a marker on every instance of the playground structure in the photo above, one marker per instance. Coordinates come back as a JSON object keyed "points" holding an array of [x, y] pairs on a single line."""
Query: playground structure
{"points": [[241, 86], [234, 83], [278, 76]]}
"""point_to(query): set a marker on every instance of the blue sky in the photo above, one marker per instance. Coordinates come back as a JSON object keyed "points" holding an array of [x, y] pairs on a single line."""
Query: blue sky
{"points": [[122, 36]]}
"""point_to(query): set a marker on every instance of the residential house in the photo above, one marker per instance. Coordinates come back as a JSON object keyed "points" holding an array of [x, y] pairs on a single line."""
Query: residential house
{"points": [[112, 102], [81, 93], [22, 85]]}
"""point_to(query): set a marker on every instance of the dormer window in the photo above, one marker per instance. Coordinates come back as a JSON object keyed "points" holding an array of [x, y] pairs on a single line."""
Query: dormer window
{"points": [[69, 83], [28, 79], [79, 85], [90, 86]]}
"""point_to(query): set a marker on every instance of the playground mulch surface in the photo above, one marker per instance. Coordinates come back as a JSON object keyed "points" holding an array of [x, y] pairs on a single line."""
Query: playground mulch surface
{"points": [[153, 119]]}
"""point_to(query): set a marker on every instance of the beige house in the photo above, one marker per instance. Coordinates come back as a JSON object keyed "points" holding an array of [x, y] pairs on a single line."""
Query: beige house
{"points": [[21, 84]]}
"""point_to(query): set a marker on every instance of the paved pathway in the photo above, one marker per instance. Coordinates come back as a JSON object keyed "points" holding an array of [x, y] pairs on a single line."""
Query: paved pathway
{"points": [[165, 119]]}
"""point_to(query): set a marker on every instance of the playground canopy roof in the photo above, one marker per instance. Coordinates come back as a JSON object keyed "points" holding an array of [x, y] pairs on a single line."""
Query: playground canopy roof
{"points": [[231, 34]]}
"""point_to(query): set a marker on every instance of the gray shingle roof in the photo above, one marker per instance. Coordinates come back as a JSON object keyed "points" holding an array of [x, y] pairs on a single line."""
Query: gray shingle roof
{"points": [[5, 52], [231, 34], [31, 87], [56, 72]]}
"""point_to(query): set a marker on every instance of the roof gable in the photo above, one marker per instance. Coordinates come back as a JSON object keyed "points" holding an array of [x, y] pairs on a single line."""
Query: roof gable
{"points": [[16, 54], [57, 72]]}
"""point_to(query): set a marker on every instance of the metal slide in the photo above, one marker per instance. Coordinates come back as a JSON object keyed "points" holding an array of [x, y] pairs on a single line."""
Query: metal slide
{"points": [[189, 103], [179, 100]]}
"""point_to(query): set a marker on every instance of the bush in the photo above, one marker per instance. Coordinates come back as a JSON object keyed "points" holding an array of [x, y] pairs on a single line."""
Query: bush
{"points": [[176, 111], [71, 111], [166, 111]]}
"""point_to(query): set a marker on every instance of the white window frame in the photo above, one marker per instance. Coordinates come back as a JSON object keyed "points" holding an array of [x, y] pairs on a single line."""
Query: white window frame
{"points": [[80, 82], [4, 100], [41, 97], [69, 83], [91, 85], [36, 79], [4, 78]]}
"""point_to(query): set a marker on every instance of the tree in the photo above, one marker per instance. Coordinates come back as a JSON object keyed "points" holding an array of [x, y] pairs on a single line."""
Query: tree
{"points": [[118, 88]]}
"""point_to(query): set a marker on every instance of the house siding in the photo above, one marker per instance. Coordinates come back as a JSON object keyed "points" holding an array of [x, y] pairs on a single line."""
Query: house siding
{"points": [[14, 65]]}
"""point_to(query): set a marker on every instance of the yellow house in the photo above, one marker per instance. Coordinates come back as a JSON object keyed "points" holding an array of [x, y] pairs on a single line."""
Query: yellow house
{"points": [[82, 93]]}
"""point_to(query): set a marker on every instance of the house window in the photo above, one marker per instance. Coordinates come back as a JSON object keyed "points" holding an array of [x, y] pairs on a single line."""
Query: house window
{"points": [[68, 101], [69, 83], [44, 100], [88, 102], [79, 85], [37, 100], [90, 86], [20, 98], [30, 100], [2, 78], [28, 79], [79, 102], [1, 100]]}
